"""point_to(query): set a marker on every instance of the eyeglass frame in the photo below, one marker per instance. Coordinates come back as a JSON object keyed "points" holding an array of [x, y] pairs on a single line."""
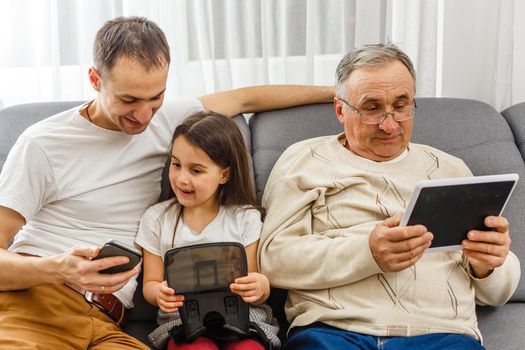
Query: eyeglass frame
{"points": [[413, 108]]}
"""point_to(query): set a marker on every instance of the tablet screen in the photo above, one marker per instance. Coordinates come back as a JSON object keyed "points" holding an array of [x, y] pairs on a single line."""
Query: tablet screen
{"points": [[204, 267], [450, 211]]}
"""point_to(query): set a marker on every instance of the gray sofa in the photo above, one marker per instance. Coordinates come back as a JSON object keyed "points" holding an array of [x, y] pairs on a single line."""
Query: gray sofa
{"points": [[489, 142]]}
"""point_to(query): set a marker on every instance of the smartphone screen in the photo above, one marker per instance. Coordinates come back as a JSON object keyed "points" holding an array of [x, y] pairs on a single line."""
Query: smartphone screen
{"points": [[113, 248]]}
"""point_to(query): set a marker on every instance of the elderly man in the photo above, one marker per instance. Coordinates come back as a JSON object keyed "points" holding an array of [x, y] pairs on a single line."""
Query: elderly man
{"points": [[356, 279], [81, 177]]}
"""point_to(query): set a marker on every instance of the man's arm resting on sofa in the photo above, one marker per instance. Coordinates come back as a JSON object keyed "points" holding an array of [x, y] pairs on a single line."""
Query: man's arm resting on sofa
{"points": [[266, 97], [73, 267]]}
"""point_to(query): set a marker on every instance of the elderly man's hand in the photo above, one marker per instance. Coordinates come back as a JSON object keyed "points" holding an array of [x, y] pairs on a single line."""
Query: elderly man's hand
{"points": [[487, 250], [395, 248]]}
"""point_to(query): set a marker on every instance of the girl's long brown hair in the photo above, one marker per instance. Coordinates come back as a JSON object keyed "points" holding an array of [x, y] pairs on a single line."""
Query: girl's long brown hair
{"points": [[220, 138]]}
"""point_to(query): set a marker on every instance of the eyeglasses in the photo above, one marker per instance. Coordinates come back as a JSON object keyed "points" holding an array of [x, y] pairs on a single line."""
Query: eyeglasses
{"points": [[377, 116]]}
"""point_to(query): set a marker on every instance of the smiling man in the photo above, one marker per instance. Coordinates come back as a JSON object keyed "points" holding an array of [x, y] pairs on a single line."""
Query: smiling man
{"points": [[356, 279], [81, 177]]}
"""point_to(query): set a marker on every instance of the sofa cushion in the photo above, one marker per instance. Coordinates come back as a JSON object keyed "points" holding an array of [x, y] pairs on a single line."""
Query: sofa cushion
{"points": [[501, 326], [515, 116]]}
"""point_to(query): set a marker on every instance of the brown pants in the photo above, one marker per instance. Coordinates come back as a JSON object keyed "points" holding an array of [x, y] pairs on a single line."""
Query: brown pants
{"points": [[56, 317]]}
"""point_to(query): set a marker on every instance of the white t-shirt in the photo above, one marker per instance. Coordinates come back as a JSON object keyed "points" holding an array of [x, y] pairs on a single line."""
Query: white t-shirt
{"points": [[78, 184], [232, 224]]}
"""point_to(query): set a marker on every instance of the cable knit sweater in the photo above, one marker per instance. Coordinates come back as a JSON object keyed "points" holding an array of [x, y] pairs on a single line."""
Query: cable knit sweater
{"points": [[323, 202]]}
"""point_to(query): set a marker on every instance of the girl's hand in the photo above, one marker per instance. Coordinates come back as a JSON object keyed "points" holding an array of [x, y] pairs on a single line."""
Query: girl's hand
{"points": [[167, 300], [253, 289]]}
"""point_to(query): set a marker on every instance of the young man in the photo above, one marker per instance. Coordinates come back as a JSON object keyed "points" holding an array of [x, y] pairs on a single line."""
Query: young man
{"points": [[356, 279], [81, 177]]}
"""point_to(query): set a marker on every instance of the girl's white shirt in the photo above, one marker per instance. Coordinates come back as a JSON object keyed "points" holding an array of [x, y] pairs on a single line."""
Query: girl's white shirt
{"points": [[232, 224]]}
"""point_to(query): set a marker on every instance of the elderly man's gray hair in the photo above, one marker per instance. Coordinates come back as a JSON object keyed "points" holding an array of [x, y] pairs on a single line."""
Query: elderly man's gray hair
{"points": [[368, 56]]}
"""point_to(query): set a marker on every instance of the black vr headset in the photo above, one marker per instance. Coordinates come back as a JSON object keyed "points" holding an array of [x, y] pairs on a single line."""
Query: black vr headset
{"points": [[203, 274]]}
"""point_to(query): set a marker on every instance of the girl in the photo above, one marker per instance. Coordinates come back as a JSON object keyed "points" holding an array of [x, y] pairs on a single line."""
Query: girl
{"points": [[214, 202]]}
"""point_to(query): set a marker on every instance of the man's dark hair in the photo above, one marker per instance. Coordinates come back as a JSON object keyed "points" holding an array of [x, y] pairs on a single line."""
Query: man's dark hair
{"points": [[131, 37]]}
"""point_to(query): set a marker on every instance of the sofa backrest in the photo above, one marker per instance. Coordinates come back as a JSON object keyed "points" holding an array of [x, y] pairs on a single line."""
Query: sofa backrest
{"points": [[515, 116], [468, 129]]}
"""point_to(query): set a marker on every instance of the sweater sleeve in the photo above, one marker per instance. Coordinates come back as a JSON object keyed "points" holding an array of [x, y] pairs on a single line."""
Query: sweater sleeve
{"points": [[293, 257], [497, 288]]}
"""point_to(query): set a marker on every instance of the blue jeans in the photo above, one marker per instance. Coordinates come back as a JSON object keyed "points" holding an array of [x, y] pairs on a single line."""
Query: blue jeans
{"points": [[321, 337]]}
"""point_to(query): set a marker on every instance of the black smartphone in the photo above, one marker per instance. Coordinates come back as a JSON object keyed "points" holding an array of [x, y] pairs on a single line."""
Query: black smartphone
{"points": [[114, 248]]}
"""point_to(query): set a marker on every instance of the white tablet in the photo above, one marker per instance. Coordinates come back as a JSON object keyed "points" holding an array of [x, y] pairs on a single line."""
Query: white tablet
{"points": [[449, 208]]}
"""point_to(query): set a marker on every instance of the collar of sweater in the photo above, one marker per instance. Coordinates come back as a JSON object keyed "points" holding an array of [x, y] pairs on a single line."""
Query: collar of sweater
{"points": [[390, 168]]}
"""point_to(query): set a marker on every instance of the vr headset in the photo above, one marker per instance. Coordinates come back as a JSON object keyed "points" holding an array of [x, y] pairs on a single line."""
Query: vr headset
{"points": [[203, 274]]}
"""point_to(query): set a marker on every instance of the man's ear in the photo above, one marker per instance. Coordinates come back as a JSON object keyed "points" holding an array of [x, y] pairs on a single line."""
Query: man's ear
{"points": [[338, 107], [94, 78], [225, 175]]}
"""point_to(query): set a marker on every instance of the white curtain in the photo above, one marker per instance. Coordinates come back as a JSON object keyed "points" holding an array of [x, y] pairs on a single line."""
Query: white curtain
{"points": [[467, 49]]}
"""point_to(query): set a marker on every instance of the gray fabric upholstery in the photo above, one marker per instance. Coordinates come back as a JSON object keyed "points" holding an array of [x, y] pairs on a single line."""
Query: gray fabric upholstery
{"points": [[502, 327], [515, 116], [242, 123]]}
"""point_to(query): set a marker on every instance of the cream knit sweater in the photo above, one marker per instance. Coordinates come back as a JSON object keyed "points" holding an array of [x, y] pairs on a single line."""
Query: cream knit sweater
{"points": [[323, 202]]}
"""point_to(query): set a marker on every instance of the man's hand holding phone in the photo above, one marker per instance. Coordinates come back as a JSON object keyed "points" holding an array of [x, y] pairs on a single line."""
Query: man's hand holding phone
{"points": [[116, 249], [92, 268]]}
